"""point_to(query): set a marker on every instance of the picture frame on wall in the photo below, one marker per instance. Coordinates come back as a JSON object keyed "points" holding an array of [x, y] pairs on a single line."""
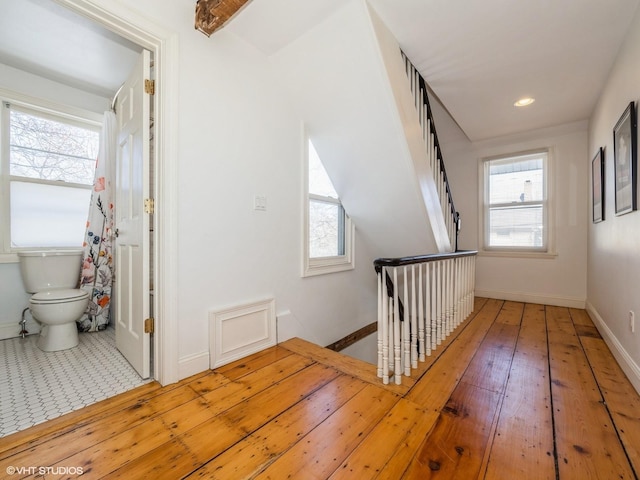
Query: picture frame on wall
{"points": [[597, 186], [625, 158]]}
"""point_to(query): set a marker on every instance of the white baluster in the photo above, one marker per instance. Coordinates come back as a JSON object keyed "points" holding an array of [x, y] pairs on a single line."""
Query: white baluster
{"points": [[406, 335], [380, 324], [473, 283], [391, 336], [414, 320], [397, 368], [446, 289], [385, 328], [456, 298], [440, 298], [421, 316]]}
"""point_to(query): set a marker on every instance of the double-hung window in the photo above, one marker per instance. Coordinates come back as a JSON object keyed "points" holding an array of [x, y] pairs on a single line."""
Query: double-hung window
{"points": [[48, 166], [516, 203], [328, 229]]}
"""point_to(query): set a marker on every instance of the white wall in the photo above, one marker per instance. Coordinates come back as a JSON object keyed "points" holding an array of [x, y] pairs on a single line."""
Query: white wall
{"points": [[13, 298], [560, 280], [335, 75], [613, 260], [240, 135]]}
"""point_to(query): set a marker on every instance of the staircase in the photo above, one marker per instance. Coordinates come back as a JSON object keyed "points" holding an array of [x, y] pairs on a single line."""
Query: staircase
{"points": [[434, 152], [422, 299]]}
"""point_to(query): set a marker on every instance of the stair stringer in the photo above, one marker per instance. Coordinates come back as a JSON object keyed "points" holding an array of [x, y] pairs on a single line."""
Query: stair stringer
{"points": [[399, 84]]}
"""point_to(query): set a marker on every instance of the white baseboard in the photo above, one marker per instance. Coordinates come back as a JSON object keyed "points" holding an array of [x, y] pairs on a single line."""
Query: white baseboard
{"points": [[193, 364], [628, 365], [12, 330], [570, 302]]}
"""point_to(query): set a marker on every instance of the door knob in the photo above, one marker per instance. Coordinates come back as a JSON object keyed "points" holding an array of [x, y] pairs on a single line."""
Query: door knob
{"points": [[116, 233]]}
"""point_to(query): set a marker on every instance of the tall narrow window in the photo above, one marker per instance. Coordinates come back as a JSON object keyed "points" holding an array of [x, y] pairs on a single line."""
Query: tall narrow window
{"points": [[329, 233], [51, 163], [516, 207]]}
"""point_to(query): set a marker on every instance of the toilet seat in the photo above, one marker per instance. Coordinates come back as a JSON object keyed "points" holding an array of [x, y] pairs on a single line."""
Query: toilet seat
{"points": [[58, 296]]}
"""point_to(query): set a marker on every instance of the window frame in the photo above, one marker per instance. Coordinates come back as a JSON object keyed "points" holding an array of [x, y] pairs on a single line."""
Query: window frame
{"points": [[47, 109], [547, 250], [322, 265]]}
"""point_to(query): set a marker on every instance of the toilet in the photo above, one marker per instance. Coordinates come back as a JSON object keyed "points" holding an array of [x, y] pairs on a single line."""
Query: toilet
{"points": [[52, 277]]}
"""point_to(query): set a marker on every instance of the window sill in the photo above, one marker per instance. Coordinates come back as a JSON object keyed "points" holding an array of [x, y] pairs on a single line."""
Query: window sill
{"points": [[328, 265], [517, 254], [8, 258]]}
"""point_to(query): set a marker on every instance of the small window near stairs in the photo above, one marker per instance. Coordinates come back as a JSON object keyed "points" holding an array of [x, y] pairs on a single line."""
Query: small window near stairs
{"points": [[328, 239]]}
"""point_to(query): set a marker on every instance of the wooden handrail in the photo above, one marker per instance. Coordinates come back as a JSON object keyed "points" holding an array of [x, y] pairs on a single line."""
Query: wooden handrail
{"points": [[398, 262]]}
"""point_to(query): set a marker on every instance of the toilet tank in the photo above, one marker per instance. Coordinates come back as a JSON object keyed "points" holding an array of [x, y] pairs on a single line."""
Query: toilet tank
{"points": [[50, 269]]}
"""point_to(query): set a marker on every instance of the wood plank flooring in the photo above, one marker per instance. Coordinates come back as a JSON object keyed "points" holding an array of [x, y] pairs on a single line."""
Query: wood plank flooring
{"points": [[519, 391]]}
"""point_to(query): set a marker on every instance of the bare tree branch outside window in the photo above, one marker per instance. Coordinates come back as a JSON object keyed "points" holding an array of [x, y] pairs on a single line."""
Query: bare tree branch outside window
{"points": [[44, 149]]}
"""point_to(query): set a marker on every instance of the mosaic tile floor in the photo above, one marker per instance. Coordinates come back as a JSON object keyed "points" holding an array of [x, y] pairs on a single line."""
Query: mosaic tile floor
{"points": [[36, 386]]}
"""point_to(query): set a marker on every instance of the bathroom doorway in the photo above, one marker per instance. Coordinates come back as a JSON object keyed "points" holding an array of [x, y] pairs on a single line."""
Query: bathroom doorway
{"points": [[163, 347]]}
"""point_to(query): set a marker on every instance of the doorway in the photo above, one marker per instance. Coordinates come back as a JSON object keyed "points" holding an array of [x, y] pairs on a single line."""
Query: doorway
{"points": [[163, 46]]}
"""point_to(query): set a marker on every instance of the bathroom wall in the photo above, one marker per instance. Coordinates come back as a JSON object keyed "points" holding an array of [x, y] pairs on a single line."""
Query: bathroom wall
{"points": [[13, 298]]}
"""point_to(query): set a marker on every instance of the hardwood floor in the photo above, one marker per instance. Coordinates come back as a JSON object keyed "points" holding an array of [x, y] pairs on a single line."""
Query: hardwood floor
{"points": [[519, 391]]}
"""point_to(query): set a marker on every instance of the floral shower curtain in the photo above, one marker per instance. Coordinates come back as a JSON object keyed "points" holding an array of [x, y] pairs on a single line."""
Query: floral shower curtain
{"points": [[97, 266]]}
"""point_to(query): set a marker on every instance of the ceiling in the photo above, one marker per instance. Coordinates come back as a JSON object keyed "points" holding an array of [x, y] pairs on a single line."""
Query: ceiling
{"points": [[46, 39], [478, 56]]}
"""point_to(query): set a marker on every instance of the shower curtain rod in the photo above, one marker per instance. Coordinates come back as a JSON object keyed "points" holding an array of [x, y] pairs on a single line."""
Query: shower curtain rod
{"points": [[115, 97]]}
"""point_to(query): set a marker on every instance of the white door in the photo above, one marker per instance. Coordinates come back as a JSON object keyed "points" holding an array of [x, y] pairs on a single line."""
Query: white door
{"points": [[132, 223]]}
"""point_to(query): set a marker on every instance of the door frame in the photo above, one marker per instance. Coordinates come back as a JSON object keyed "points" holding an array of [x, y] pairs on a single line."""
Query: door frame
{"points": [[163, 44]]}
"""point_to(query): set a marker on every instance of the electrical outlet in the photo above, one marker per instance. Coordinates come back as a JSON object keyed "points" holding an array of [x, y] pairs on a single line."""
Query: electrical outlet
{"points": [[260, 203], [632, 321]]}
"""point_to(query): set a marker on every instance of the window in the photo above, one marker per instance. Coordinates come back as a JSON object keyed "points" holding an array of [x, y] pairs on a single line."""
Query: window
{"points": [[48, 164], [516, 203], [328, 229]]}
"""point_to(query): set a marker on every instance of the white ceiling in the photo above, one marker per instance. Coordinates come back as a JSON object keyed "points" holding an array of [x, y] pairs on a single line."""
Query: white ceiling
{"points": [[478, 56], [43, 38]]}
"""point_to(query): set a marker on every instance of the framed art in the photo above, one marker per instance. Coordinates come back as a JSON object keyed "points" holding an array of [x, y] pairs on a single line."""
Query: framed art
{"points": [[624, 160], [597, 186]]}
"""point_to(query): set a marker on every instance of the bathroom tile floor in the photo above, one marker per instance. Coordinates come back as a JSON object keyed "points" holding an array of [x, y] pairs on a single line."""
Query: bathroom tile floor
{"points": [[36, 386]]}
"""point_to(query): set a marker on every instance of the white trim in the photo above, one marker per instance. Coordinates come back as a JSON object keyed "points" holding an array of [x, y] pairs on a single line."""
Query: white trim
{"points": [[543, 299], [164, 45], [44, 106], [548, 250], [626, 362], [242, 330], [324, 265], [12, 330], [192, 364]]}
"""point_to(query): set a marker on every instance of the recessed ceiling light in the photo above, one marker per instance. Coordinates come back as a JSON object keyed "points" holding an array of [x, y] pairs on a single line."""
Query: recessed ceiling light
{"points": [[523, 102]]}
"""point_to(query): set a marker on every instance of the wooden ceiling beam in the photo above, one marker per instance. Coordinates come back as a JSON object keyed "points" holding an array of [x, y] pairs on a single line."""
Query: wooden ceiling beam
{"points": [[211, 15]]}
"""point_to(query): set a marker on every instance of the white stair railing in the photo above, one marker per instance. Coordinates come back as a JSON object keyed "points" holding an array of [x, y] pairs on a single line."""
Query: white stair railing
{"points": [[421, 300], [434, 152]]}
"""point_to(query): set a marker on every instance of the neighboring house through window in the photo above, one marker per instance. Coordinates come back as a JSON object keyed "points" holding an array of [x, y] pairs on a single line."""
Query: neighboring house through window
{"points": [[328, 230], [48, 166], [516, 206]]}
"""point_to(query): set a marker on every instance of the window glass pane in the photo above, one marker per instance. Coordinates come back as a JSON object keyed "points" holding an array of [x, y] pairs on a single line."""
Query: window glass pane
{"points": [[48, 215], [42, 148], [326, 222], [319, 181], [519, 226], [516, 181]]}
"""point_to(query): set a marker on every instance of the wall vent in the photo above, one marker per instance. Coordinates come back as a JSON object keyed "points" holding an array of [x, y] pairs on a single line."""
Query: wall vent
{"points": [[239, 331]]}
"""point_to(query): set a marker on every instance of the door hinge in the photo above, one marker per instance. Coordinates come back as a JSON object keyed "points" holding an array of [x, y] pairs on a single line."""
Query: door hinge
{"points": [[149, 86], [149, 206], [149, 325]]}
